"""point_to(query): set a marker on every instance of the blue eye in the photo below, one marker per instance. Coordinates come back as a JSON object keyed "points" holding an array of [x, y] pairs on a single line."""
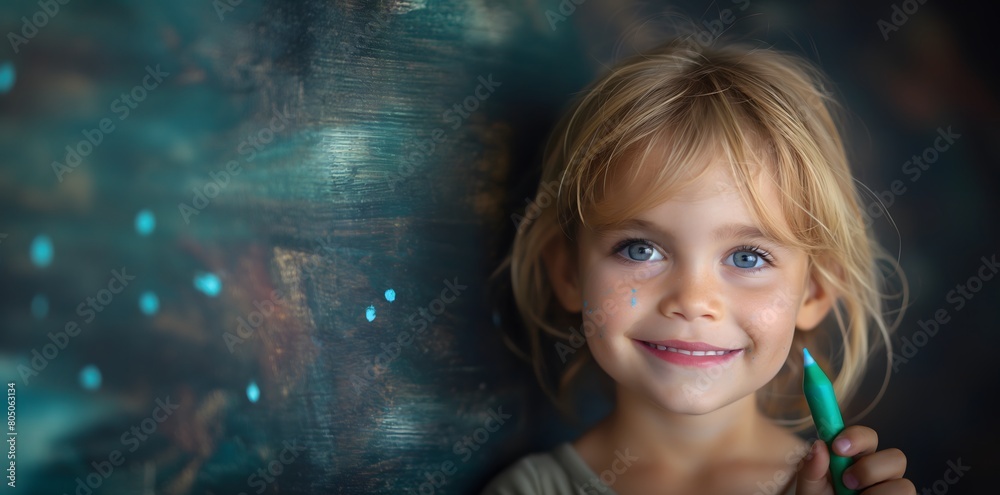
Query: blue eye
{"points": [[639, 251], [749, 258], [746, 259]]}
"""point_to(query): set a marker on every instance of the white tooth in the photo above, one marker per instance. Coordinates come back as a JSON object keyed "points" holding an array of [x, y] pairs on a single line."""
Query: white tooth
{"points": [[662, 348], [697, 353], [684, 351]]}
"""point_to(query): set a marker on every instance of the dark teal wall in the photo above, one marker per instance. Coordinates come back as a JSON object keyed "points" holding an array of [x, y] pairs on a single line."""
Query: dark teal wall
{"points": [[301, 159]]}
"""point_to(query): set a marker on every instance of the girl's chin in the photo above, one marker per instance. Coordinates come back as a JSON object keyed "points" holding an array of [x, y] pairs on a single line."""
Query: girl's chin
{"points": [[692, 405]]}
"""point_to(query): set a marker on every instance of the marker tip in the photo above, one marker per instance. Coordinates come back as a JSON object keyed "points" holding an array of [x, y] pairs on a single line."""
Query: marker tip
{"points": [[807, 358]]}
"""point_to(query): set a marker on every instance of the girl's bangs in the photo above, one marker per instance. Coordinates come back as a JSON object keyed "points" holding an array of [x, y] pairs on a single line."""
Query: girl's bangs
{"points": [[701, 131]]}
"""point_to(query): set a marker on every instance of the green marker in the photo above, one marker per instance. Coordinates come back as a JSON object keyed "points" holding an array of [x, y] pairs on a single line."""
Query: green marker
{"points": [[826, 415]]}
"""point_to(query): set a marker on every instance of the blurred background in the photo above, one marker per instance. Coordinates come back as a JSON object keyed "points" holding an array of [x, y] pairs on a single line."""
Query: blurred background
{"points": [[244, 244]]}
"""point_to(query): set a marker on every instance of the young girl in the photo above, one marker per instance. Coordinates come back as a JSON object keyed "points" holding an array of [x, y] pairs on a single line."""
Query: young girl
{"points": [[696, 225]]}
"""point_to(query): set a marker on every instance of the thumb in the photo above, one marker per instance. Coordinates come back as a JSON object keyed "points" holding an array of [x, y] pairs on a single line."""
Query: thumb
{"points": [[812, 478]]}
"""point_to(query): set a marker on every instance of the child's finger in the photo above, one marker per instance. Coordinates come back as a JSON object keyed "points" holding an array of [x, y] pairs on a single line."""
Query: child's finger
{"points": [[855, 440], [812, 477], [889, 464], [892, 487]]}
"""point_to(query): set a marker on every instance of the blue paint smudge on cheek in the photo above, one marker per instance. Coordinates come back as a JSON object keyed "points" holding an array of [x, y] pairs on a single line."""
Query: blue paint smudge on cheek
{"points": [[390, 295], [370, 313], [634, 302]]}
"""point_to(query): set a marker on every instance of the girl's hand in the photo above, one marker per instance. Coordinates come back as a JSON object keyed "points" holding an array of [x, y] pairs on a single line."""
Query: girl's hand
{"points": [[872, 473]]}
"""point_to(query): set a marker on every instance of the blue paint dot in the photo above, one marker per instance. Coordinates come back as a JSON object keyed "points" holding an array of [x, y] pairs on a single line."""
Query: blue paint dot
{"points": [[7, 77], [145, 222], [633, 302], [40, 306], [149, 304], [390, 295], [253, 392], [633, 291], [42, 251], [208, 283], [90, 377], [370, 313]]}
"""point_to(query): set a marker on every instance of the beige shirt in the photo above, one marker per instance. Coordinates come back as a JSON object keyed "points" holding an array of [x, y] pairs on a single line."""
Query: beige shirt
{"points": [[560, 471]]}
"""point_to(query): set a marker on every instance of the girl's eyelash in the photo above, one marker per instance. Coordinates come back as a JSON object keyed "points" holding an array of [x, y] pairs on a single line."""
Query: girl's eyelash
{"points": [[745, 247], [758, 251], [626, 243]]}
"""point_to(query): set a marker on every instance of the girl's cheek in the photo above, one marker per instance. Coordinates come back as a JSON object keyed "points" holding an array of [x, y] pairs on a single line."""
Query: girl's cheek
{"points": [[608, 297], [770, 324]]}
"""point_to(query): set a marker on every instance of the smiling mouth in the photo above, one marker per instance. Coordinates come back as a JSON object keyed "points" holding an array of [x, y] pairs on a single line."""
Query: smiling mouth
{"points": [[688, 352]]}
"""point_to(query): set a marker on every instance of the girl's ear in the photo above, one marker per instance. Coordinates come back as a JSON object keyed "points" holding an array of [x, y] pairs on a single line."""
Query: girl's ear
{"points": [[816, 303], [560, 265]]}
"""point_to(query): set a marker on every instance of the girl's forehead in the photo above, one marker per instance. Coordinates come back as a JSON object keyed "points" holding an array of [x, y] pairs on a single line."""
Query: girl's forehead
{"points": [[654, 174], [638, 184]]}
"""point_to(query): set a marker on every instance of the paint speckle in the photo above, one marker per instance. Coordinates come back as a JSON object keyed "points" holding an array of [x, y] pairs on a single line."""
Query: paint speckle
{"points": [[585, 303], [253, 392], [90, 377], [145, 222], [42, 251], [7, 77], [40, 306], [390, 295], [370, 313], [634, 302], [208, 283], [149, 304]]}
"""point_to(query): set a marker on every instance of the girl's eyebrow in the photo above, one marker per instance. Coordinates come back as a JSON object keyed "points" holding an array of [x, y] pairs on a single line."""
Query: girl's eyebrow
{"points": [[740, 231], [723, 232]]}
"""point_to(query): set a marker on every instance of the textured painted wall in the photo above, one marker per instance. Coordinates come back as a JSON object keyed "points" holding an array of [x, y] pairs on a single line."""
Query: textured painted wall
{"points": [[244, 244]]}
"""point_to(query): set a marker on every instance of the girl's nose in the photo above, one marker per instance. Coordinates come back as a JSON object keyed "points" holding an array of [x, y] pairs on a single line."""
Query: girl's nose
{"points": [[691, 293]]}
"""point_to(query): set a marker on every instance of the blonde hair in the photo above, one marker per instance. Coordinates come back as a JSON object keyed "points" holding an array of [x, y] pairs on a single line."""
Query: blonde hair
{"points": [[756, 106]]}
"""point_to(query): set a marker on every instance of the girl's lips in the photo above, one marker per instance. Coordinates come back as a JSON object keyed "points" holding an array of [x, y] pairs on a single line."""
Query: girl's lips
{"points": [[690, 353], [687, 346]]}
